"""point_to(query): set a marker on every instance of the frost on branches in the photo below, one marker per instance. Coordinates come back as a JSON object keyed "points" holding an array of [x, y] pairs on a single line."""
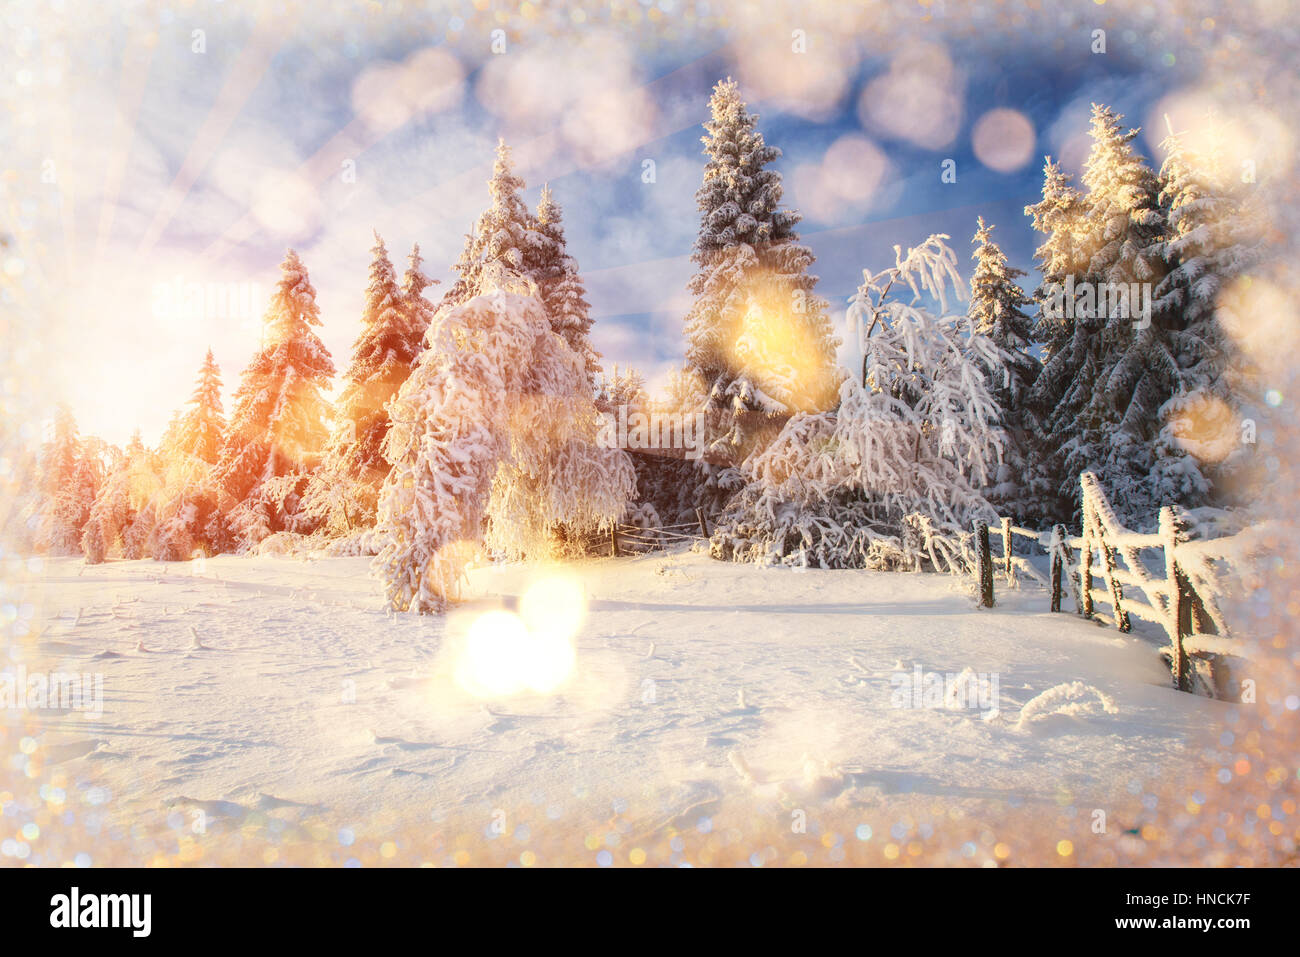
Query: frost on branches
{"points": [[904, 458], [492, 443]]}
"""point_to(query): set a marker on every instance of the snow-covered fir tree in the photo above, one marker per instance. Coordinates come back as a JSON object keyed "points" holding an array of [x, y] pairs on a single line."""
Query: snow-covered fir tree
{"points": [[120, 520], [344, 491], [560, 286], [419, 310], [1108, 370], [203, 425], [70, 474], [1209, 242], [899, 468], [186, 503], [492, 443], [758, 336], [112, 510], [997, 311], [504, 236], [1059, 217], [278, 423]]}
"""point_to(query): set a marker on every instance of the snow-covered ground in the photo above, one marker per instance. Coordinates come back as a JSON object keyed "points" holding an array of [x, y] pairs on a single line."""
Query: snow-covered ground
{"points": [[276, 692]]}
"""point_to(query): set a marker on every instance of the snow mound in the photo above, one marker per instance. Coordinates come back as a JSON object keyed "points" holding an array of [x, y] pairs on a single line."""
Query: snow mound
{"points": [[1071, 699]]}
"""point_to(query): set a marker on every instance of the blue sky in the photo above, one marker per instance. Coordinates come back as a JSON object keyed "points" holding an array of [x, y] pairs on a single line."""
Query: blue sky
{"points": [[230, 155]]}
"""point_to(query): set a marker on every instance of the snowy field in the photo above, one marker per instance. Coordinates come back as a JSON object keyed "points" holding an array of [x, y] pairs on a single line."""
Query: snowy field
{"points": [[276, 692]]}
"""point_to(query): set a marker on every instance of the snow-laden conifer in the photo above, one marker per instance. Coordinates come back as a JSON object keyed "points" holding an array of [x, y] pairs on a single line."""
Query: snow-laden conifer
{"points": [[278, 423], [492, 442]]}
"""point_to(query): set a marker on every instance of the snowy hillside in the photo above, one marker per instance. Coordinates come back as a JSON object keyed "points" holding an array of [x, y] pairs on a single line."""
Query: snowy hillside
{"points": [[272, 694]]}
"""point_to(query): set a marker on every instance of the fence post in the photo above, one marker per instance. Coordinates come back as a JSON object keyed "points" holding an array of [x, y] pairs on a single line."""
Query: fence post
{"points": [[1085, 573], [704, 525], [1179, 611], [613, 541], [1116, 592], [984, 564], [1058, 564], [1006, 547]]}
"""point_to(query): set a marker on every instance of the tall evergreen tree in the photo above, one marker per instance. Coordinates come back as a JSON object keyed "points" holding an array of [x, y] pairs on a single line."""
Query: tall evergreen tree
{"points": [[186, 501], [277, 426], [1099, 392], [504, 238], [344, 492], [757, 336], [997, 312], [68, 486], [1059, 217], [202, 427], [560, 286], [419, 311]]}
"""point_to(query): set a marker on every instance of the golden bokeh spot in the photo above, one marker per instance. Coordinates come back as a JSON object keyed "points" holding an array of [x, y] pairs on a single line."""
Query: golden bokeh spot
{"points": [[1207, 428], [776, 348]]}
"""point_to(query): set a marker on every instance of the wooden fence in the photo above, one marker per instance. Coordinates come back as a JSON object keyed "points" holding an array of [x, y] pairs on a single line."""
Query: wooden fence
{"points": [[1163, 578], [624, 540]]}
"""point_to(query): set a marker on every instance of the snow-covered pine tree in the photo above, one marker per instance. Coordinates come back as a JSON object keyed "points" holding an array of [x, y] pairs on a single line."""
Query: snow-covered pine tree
{"points": [[560, 286], [129, 489], [504, 237], [1096, 400], [997, 311], [758, 336], [462, 287], [343, 493], [203, 425], [186, 502], [1209, 242], [907, 453], [277, 425], [1059, 216], [419, 311], [69, 482], [111, 511], [493, 434]]}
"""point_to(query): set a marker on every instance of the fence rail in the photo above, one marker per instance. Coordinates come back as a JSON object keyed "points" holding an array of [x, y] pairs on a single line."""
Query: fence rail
{"points": [[1163, 578], [624, 539]]}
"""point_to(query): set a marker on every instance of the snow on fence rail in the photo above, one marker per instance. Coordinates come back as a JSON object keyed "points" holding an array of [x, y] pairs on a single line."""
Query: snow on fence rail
{"points": [[1179, 589], [623, 539]]}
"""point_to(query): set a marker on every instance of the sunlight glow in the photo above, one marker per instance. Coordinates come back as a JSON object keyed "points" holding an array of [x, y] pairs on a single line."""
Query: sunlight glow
{"points": [[507, 653]]}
